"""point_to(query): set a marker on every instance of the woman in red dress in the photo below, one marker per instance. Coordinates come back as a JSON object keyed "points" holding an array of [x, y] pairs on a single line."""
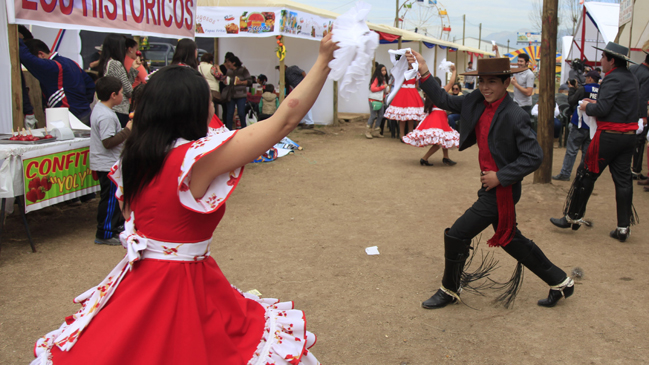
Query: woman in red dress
{"points": [[406, 106], [434, 130], [167, 301]]}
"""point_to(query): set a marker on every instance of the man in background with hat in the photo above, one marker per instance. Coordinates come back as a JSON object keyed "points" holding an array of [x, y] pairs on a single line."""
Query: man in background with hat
{"points": [[508, 151], [579, 135], [616, 112], [641, 72]]}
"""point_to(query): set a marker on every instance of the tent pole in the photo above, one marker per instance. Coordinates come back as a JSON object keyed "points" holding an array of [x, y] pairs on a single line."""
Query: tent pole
{"points": [[16, 70], [282, 84], [420, 44], [631, 28], [583, 33], [336, 121], [435, 62], [216, 51]]}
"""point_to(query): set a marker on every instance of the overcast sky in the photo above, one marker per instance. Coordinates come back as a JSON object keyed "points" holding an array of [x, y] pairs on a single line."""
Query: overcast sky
{"points": [[495, 15]]}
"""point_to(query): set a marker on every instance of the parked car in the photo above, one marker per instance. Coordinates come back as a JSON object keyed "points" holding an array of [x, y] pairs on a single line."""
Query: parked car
{"points": [[160, 54]]}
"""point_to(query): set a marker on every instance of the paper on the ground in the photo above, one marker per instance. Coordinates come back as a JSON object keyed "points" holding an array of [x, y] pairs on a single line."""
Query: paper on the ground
{"points": [[445, 66], [76, 124], [400, 71], [374, 250], [357, 45]]}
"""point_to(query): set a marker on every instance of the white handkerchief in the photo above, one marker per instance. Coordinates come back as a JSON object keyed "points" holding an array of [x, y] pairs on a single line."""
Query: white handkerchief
{"points": [[357, 45], [445, 66], [591, 122], [400, 70]]}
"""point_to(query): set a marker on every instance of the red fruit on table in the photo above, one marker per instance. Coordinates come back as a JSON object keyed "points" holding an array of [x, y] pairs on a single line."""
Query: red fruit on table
{"points": [[40, 193], [14, 138], [34, 183], [32, 195], [46, 183], [48, 136]]}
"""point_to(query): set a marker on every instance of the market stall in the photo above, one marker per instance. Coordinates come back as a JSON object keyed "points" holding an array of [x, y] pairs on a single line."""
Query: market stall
{"points": [[41, 174]]}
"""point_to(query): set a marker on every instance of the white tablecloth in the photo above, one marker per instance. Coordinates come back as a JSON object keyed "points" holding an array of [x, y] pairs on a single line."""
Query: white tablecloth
{"points": [[11, 164]]}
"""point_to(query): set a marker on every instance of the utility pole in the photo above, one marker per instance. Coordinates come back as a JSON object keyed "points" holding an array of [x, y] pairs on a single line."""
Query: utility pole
{"points": [[508, 46], [396, 15], [545, 128], [463, 27], [479, 35]]}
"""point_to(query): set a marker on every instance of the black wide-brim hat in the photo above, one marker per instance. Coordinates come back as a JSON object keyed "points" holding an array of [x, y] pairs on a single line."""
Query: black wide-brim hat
{"points": [[616, 50], [494, 67]]}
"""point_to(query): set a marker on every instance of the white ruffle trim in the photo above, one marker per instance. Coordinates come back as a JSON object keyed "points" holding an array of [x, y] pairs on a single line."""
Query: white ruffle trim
{"points": [[433, 136], [403, 114], [285, 340]]}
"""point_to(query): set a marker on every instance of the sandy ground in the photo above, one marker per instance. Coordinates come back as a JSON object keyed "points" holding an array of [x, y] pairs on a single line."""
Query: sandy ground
{"points": [[296, 229]]}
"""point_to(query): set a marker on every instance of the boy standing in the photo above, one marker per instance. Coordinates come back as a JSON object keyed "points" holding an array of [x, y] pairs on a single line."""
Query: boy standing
{"points": [[508, 151], [106, 138]]}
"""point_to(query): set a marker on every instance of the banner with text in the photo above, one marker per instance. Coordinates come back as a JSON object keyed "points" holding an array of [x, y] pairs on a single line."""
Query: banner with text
{"points": [[217, 22], [163, 18], [56, 174]]}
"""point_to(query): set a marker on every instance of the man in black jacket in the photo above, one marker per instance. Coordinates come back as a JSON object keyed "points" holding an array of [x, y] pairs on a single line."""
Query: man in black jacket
{"points": [[616, 111], [508, 151], [641, 72]]}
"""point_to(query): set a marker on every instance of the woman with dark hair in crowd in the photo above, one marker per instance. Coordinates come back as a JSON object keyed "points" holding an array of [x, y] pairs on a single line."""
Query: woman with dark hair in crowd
{"points": [[378, 87], [186, 54], [132, 53], [111, 63], [207, 69], [168, 298], [238, 81]]}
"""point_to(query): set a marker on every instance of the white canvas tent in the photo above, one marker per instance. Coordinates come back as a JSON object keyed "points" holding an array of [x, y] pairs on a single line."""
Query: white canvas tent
{"points": [[639, 31], [597, 26]]}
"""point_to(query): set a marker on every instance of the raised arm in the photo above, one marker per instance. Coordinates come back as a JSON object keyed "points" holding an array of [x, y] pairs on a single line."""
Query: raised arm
{"points": [[439, 96], [449, 85], [250, 142]]}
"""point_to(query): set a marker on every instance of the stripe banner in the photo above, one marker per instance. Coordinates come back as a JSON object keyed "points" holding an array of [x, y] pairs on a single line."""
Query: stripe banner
{"points": [[163, 18]]}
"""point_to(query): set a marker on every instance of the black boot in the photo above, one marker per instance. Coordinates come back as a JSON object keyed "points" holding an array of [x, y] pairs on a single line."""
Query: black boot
{"points": [[456, 252], [530, 255], [621, 233], [577, 199], [563, 290]]}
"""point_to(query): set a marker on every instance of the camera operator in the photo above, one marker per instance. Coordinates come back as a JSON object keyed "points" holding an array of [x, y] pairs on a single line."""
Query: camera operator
{"points": [[577, 72], [579, 136]]}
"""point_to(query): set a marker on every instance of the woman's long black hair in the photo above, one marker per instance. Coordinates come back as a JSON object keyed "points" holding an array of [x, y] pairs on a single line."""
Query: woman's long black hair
{"points": [[114, 47], [174, 104], [378, 75], [428, 103], [185, 53]]}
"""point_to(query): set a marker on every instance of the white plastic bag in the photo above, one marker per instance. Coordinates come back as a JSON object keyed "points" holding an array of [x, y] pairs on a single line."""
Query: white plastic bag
{"points": [[251, 117]]}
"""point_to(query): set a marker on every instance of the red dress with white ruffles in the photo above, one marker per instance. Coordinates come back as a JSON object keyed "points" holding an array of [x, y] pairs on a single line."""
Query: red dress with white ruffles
{"points": [[407, 104], [167, 302], [434, 130]]}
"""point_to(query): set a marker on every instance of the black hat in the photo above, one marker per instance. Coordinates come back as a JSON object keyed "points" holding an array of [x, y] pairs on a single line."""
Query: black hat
{"points": [[616, 50]]}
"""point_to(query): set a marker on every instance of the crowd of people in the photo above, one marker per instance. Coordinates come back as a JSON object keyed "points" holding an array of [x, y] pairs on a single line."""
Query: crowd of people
{"points": [[167, 164]]}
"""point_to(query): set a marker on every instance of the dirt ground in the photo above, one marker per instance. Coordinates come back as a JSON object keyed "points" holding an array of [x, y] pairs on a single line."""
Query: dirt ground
{"points": [[297, 229]]}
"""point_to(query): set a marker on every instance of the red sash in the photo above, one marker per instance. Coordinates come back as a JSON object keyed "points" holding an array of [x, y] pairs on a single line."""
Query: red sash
{"points": [[592, 155], [504, 198]]}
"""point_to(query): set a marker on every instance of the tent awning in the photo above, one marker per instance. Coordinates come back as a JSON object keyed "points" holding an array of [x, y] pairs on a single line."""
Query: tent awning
{"points": [[388, 31]]}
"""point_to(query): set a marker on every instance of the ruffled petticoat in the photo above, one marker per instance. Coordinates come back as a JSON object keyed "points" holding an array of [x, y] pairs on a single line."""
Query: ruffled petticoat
{"points": [[433, 130], [404, 114]]}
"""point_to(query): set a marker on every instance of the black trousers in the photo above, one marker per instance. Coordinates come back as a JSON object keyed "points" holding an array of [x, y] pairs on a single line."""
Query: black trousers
{"points": [[615, 151], [483, 213], [109, 216], [639, 151]]}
